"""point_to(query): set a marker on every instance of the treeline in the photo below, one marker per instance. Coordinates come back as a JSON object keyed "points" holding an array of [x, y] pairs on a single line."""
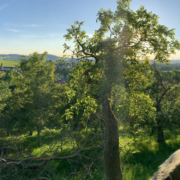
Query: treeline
{"points": [[169, 67]]}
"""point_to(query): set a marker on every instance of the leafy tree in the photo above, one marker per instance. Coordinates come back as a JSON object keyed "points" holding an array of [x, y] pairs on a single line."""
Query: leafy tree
{"points": [[64, 71], [138, 106], [162, 88], [6, 87], [131, 35], [170, 108], [4, 94], [30, 104]]}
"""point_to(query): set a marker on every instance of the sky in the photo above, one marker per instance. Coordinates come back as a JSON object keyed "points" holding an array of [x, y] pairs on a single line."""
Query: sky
{"points": [[27, 26]]}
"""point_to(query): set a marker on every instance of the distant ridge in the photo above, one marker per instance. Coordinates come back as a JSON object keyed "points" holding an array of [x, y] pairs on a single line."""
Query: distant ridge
{"points": [[172, 61], [17, 57]]}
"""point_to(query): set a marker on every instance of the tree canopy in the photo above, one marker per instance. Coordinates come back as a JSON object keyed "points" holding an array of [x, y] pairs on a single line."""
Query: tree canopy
{"points": [[124, 37]]}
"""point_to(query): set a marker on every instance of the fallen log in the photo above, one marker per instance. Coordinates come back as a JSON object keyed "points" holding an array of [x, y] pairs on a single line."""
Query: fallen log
{"points": [[170, 169]]}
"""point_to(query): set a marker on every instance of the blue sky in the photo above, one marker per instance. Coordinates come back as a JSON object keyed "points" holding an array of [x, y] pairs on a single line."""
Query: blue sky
{"points": [[27, 26]]}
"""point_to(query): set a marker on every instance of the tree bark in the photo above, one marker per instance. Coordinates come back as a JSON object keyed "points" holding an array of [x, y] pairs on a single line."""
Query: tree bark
{"points": [[38, 136], [160, 134], [111, 145]]}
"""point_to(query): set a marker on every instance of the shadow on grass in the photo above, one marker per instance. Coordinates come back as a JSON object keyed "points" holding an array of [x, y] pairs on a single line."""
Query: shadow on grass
{"points": [[140, 165], [143, 164], [62, 168]]}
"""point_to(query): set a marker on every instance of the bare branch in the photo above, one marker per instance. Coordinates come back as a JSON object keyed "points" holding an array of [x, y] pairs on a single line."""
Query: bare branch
{"points": [[83, 50], [20, 164], [160, 78]]}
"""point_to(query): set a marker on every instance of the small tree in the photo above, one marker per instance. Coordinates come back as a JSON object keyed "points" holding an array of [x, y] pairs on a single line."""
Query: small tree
{"points": [[30, 102], [163, 85]]}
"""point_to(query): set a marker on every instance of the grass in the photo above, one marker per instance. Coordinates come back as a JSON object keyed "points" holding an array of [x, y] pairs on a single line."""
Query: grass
{"points": [[139, 159], [143, 164], [8, 63]]}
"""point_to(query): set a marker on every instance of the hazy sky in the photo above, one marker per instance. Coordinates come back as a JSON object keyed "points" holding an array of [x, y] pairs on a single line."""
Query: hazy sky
{"points": [[39, 25]]}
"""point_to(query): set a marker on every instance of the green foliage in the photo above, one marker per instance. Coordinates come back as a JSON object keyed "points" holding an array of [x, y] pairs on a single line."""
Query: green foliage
{"points": [[4, 93], [63, 71], [122, 50], [82, 97], [131, 36], [30, 102]]}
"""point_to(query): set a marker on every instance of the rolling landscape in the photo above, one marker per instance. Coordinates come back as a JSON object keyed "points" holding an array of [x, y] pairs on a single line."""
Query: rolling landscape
{"points": [[17, 57], [13, 59]]}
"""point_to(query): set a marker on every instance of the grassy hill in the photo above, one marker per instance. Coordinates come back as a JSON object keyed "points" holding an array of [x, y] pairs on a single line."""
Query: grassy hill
{"points": [[8, 63]]}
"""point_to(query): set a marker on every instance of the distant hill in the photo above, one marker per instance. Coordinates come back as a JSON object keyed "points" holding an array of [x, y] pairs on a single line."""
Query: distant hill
{"points": [[175, 61], [172, 61], [17, 57]]}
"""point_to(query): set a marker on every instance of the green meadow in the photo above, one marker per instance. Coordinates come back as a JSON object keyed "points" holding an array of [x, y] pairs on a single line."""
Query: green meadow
{"points": [[8, 63]]}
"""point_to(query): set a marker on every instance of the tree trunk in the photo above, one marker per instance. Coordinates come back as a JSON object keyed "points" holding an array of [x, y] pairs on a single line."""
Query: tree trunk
{"points": [[38, 136], [30, 133], [153, 130], [160, 134], [111, 144], [160, 137]]}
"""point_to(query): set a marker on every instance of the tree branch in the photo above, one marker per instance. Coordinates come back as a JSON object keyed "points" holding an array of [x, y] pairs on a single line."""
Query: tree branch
{"points": [[83, 50], [160, 78], [164, 93], [20, 163]]}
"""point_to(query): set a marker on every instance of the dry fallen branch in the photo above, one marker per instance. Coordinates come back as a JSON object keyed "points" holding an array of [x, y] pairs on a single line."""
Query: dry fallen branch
{"points": [[19, 162], [35, 167]]}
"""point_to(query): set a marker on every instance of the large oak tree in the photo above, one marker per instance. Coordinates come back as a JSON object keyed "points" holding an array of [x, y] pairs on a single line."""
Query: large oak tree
{"points": [[124, 37]]}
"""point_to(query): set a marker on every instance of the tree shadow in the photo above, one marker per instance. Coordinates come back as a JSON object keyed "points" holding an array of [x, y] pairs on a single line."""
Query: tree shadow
{"points": [[151, 155]]}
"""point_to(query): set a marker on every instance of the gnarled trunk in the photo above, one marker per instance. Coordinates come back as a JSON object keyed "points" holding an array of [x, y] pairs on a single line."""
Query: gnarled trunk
{"points": [[111, 144]]}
